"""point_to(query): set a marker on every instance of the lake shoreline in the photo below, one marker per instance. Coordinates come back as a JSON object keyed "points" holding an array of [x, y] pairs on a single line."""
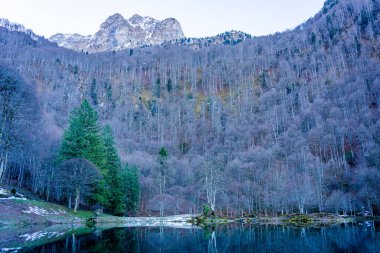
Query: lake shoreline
{"points": [[24, 212], [30, 223], [291, 220]]}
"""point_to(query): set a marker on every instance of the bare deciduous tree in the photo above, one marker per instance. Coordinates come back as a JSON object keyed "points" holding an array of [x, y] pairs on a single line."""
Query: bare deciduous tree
{"points": [[78, 177]]}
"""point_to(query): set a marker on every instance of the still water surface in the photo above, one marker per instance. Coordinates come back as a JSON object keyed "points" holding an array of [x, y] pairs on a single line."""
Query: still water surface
{"points": [[363, 237]]}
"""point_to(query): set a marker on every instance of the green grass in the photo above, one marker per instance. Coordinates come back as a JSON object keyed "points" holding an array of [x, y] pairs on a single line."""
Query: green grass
{"points": [[82, 214], [203, 221], [300, 220]]}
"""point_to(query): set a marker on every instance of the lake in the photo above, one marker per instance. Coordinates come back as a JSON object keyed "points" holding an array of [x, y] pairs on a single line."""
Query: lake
{"points": [[359, 237]]}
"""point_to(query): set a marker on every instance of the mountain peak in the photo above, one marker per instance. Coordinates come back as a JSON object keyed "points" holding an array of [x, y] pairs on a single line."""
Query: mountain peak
{"points": [[116, 16], [118, 33], [114, 20], [135, 18]]}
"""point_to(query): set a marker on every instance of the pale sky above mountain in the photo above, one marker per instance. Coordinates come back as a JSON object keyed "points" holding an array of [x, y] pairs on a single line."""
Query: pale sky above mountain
{"points": [[198, 18]]}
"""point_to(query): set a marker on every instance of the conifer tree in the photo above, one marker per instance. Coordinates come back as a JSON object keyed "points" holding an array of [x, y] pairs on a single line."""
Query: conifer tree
{"points": [[112, 167], [163, 155], [82, 139], [132, 188], [157, 88], [94, 94], [169, 85]]}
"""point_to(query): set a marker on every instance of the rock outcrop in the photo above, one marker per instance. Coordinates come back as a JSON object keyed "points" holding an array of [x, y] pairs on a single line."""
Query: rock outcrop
{"points": [[118, 33]]}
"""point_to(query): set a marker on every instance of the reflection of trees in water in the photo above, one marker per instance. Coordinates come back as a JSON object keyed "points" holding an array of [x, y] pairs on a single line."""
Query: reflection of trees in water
{"points": [[74, 244], [115, 240], [173, 240], [349, 238], [212, 244], [247, 238]]}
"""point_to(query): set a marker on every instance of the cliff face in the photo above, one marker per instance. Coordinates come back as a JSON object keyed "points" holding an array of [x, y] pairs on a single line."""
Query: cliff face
{"points": [[118, 33]]}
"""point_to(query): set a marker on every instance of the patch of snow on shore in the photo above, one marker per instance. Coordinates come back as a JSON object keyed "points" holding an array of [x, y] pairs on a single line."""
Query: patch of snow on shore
{"points": [[36, 210], [19, 198], [10, 249], [8, 195], [42, 212], [178, 221], [57, 212], [39, 235], [2, 191]]}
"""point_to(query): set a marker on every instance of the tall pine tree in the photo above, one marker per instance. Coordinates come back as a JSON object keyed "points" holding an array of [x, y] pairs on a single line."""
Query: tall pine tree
{"points": [[113, 179], [82, 139], [131, 188]]}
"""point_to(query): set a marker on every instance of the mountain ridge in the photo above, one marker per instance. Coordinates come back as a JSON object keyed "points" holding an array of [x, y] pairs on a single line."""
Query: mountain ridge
{"points": [[15, 27], [99, 42], [117, 33]]}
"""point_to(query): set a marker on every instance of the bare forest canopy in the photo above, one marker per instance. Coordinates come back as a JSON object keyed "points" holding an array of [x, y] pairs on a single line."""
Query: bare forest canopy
{"points": [[277, 124]]}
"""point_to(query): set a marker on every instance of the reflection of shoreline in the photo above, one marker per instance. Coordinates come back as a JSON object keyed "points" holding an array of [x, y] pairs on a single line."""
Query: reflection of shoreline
{"points": [[230, 238], [31, 236], [39, 234]]}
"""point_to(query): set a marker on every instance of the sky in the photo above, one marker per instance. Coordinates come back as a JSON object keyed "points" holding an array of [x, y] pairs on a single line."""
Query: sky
{"points": [[198, 18]]}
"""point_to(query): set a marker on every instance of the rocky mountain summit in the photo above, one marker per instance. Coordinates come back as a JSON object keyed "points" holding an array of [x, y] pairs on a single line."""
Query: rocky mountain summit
{"points": [[118, 33]]}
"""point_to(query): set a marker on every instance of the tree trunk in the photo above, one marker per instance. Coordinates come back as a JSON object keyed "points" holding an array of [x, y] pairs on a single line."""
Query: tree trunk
{"points": [[1, 170], [69, 205], [73, 243], [211, 191], [76, 200], [301, 208], [3, 166]]}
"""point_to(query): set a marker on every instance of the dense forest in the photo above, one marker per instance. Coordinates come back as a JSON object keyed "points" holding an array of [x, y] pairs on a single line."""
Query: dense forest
{"points": [[283, 123]]}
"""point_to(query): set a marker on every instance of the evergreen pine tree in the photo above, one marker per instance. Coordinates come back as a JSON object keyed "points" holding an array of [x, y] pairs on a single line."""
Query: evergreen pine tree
{"points": [[162, 158], [169, 85], [157, 88], [132, 188], [112, 167], [82, 140], [94, 93]]}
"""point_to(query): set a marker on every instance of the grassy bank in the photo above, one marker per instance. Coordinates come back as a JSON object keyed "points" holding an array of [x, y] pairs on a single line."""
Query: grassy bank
{"points": [[24, 212], [29, 223], [21, 212]]}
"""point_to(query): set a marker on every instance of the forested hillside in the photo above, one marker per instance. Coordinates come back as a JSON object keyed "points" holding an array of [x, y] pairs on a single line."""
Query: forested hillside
{"points": [[284, 123]]}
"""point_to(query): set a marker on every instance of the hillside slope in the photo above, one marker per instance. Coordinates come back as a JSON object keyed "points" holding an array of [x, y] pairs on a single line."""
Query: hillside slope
{"points": [[17, 211], [285, 122]]}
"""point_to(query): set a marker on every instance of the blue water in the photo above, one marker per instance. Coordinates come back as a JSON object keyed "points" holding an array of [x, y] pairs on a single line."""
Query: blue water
{"points": [[234, 238]]}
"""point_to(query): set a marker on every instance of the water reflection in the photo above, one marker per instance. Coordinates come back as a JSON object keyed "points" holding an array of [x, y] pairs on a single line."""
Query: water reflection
{"points": [[233, 238], [212, 244]]}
